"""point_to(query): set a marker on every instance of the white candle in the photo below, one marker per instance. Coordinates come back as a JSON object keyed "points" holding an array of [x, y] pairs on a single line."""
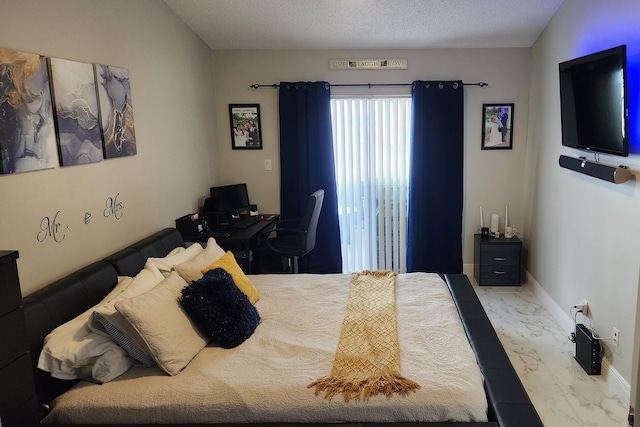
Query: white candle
{"points": [[481, 218], [506, 216]]}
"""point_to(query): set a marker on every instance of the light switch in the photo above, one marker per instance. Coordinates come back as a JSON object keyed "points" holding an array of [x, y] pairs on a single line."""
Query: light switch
{"points": [[267, 164]]}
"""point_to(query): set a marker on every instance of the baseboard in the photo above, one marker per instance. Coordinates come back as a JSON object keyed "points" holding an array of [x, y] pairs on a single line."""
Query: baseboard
{"points": [[616, 382], [612, 377], [467, 269], [564, 320]]}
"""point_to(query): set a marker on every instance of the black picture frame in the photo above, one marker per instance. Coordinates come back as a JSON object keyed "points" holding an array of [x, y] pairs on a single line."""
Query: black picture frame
{"points": [[497, 126], [246, 130]]}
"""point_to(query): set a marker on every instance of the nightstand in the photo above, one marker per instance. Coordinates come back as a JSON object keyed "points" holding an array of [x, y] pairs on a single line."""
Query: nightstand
{"points": [[17, 396], [497, 261]]}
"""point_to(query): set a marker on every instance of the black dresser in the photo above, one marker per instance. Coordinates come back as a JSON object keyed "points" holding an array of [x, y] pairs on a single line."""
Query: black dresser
{"points": [[497, 261], [17, 396]]}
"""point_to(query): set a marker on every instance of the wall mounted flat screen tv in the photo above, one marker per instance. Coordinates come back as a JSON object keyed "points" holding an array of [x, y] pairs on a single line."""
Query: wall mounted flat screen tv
{"points": [[593, 101]]}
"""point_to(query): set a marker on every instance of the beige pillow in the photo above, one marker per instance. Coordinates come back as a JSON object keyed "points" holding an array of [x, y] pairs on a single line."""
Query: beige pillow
{"points": [[170, 337], [106, 321], [144, 281], [190, 270], [162, 266]]}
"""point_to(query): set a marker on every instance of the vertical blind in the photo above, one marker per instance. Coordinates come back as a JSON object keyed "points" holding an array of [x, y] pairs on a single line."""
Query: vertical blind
{"points": [[371, 149]]}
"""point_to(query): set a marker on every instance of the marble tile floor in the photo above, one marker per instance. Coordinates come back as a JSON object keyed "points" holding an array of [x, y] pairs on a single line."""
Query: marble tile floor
{"points": [[562, 392]]}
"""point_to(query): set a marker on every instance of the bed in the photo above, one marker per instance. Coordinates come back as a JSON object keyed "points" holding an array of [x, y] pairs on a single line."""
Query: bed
{"points": [[495, 398]]}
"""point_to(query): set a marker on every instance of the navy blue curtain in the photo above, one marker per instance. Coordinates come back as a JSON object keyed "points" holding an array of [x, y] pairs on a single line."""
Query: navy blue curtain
{"points": [[434, 232], [307, 164]]}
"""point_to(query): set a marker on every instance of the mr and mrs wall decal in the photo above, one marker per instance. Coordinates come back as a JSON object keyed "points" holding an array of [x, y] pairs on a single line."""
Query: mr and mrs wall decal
{"points": [[75, 112], [54, 227]]}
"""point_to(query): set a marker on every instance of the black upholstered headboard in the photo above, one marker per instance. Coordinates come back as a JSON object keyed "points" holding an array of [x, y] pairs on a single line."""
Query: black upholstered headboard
{"points": [[70, 296]]}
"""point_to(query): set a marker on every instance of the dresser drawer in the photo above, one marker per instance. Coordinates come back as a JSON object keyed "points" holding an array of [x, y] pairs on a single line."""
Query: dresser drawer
{"points": [[19, 376], [25, 415], [10, 295], [13, 330], [500, 257]]}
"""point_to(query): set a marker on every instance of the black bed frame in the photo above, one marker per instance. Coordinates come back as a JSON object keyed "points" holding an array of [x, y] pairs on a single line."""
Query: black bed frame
{"points": [[64, 299]]}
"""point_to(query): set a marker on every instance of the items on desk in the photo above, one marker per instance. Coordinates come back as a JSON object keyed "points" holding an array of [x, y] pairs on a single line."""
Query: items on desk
{"points": [[227, 205], [192, 225], [241, 241]]}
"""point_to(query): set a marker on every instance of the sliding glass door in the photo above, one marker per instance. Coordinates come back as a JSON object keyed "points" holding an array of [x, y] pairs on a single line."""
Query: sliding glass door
{"points": [[371, 150]]}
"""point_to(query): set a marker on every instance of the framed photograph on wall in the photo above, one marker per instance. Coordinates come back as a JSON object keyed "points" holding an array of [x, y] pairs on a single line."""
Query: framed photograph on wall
{"points": [[497, 126], [245, 126]]}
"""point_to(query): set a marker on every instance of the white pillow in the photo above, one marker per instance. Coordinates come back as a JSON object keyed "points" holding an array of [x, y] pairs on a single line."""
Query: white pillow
{"points": [[96, 358], [123, 283], [167, 331], [191, 270], [106, 321], [162, 266], [176, 250], [73, 351]]}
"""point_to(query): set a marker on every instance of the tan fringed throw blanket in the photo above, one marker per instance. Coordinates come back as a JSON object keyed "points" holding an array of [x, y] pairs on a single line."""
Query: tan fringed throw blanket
{"points": [[367, 360]]}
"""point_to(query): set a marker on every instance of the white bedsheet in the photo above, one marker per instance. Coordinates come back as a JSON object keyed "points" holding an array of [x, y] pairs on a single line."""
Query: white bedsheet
{"points": [[265, 379]]}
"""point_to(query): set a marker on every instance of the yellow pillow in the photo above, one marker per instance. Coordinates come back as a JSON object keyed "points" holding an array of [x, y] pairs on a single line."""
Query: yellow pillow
{"points": [[228, 263]]}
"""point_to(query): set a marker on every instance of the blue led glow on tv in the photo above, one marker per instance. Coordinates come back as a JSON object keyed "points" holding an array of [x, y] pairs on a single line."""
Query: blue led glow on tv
{"points": [[633, 101], [594, 102]]}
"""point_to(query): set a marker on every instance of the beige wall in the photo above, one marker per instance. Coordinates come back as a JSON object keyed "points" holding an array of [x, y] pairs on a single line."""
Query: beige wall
{"points": [[582, 233], [170, 72], [493, 178], [184, 137]]}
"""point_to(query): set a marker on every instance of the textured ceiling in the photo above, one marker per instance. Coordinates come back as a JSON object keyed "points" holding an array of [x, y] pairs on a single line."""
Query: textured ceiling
{"points": [[365, 24]]}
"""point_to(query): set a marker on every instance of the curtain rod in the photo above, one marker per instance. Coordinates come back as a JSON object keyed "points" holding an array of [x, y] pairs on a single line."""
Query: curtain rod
{"points": [[369, 85]]}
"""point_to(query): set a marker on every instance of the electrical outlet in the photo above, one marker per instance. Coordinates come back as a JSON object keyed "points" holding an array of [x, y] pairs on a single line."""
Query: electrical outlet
{"points": [[616, 336], [583, 307]]}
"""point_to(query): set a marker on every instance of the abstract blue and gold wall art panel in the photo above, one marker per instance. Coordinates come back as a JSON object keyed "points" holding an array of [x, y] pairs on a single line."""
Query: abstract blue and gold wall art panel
{"points": [[116, 111], [76, 112], [27, 137]]}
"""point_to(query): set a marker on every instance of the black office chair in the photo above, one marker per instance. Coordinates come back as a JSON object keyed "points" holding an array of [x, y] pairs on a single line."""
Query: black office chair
{"points": [[295, 242]]}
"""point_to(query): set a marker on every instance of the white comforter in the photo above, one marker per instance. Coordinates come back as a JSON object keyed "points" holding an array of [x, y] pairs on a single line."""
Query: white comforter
{"points": [[265, 379]]}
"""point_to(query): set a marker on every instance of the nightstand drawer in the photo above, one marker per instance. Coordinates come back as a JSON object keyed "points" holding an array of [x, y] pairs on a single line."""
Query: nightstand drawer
{"points": [[500, 282], [491, 272], [501, 257]]}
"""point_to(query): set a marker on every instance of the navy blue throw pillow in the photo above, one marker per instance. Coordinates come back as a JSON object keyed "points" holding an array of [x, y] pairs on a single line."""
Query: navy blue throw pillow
{"points": [[220, 310]]}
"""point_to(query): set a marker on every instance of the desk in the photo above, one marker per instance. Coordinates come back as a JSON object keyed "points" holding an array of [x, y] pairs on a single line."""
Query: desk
{"points": [[239, 241]]}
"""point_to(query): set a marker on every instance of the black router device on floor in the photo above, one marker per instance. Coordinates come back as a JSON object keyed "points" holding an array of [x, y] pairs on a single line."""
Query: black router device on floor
{"points": [[587, 350]]}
